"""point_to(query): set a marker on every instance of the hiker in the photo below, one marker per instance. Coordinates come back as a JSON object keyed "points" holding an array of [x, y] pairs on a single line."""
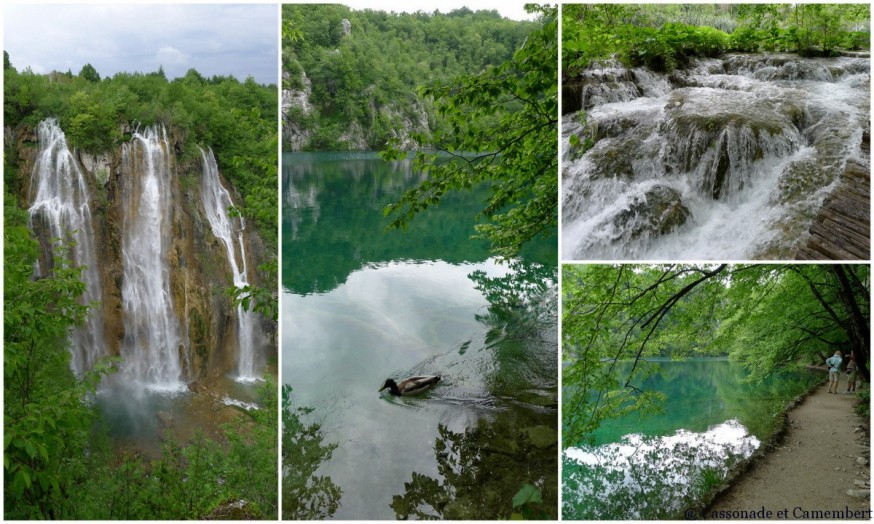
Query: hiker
{"points": [[834, 371], [852, 370]]}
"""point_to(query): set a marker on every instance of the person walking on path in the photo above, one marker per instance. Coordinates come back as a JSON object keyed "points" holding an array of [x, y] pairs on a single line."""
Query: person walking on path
{"points": [[851, 374], [834, 371]]}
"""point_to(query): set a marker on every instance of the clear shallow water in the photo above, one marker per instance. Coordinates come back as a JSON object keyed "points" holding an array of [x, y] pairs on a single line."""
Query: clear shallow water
{"points": [[361, 305], [653, 466]]}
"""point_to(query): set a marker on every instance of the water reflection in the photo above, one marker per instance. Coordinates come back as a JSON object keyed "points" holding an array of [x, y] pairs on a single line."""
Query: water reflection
{"points": [[481, 469], [305, 495], [362, 304], [636, 473]]}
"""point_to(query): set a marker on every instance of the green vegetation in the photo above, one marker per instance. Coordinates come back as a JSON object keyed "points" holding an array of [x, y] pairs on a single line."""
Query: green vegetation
{"points": [[364, 72], [501, 129], [663, 37], [764, 317]]}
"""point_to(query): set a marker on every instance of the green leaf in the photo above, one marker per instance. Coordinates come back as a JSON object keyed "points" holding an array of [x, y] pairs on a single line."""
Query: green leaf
{"points": [[527, 494]]}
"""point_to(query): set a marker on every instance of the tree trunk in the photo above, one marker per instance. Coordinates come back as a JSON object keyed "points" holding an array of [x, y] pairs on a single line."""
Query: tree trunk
{"points": [[857, 324]]}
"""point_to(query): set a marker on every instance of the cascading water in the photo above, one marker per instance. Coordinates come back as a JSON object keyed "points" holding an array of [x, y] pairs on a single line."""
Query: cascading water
{"points": [[60, 202], [216, 201], [729, 158], [152, 348]]}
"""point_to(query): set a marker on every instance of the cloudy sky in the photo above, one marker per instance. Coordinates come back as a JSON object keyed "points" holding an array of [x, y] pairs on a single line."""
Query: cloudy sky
{"points": [[238, 40]]}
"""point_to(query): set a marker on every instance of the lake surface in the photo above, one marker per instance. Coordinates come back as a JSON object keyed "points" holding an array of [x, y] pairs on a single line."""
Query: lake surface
{"points": [[362, 304], [652, 467]]}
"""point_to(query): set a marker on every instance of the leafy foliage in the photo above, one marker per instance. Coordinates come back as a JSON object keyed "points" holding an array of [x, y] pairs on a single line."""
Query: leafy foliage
{"points": [[662, 37], [500, 129]]}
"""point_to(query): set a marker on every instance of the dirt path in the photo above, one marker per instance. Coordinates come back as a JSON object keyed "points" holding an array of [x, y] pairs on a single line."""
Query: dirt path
{"points": [[814, 466]]}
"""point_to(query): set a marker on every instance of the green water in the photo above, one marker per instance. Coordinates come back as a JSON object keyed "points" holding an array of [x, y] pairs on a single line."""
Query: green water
{"points": [[361, 304], [653, 466]]}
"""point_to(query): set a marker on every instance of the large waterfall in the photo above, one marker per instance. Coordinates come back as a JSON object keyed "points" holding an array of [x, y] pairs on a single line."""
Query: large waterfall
{"points": [[61, 203], [728, 158], [216, 202], [152, 348]]}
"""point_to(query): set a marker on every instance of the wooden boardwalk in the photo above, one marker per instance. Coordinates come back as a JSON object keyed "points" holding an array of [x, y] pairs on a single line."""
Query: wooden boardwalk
{"points": [[842, 229]]}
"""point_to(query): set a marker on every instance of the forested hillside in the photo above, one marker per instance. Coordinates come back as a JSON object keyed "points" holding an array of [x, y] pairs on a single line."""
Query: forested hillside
{"points": [[351, 78]]}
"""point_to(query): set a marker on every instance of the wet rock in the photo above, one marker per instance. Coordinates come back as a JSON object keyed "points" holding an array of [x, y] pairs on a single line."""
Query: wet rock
{"points": [[608, 82], [717, 135], [658, 212]]}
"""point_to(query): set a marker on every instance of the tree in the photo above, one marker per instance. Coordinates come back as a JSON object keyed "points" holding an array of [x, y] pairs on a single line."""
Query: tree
{"points": [[89, 73], [500, 129], [47, 421]]}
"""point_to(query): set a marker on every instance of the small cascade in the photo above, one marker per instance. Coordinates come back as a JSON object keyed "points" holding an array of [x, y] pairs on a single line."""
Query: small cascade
{"points": [[60, 204], [152, 348], [727, 158], [216, 202]]}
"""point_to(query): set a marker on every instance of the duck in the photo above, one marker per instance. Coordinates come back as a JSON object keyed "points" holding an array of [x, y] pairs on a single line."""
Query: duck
{"points": [[411, 386]]}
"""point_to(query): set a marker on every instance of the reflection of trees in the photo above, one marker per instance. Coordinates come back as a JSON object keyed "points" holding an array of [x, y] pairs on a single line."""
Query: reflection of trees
{"points": [[481, 470], [655, 482], [339, 226], [513, 297], [521, 325], [305, 496]]}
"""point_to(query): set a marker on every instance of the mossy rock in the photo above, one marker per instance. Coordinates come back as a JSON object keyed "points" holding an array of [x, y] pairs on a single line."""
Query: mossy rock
{"points": [[659, 212]]}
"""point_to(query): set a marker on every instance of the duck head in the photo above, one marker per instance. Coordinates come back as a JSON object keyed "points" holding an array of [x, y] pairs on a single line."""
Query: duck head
{"points": [[391, 385]]}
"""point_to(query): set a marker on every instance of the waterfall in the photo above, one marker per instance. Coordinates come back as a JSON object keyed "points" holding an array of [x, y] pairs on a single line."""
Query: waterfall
{"points": [[152, 347], [727, 158], [60, 203], [216, 201]]}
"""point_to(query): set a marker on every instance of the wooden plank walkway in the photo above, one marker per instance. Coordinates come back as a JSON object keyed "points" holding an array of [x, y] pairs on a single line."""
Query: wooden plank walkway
{"points": [[842, 229]]}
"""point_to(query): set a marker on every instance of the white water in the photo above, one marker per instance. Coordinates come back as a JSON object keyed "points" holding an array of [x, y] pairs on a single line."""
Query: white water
{"points": [[61, 203], [748, 147], [216, 201], [152, 349]]}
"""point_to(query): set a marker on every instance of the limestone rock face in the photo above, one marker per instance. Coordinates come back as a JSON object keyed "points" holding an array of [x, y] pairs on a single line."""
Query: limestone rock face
{"points": [[296, 107], [199, 272]]}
